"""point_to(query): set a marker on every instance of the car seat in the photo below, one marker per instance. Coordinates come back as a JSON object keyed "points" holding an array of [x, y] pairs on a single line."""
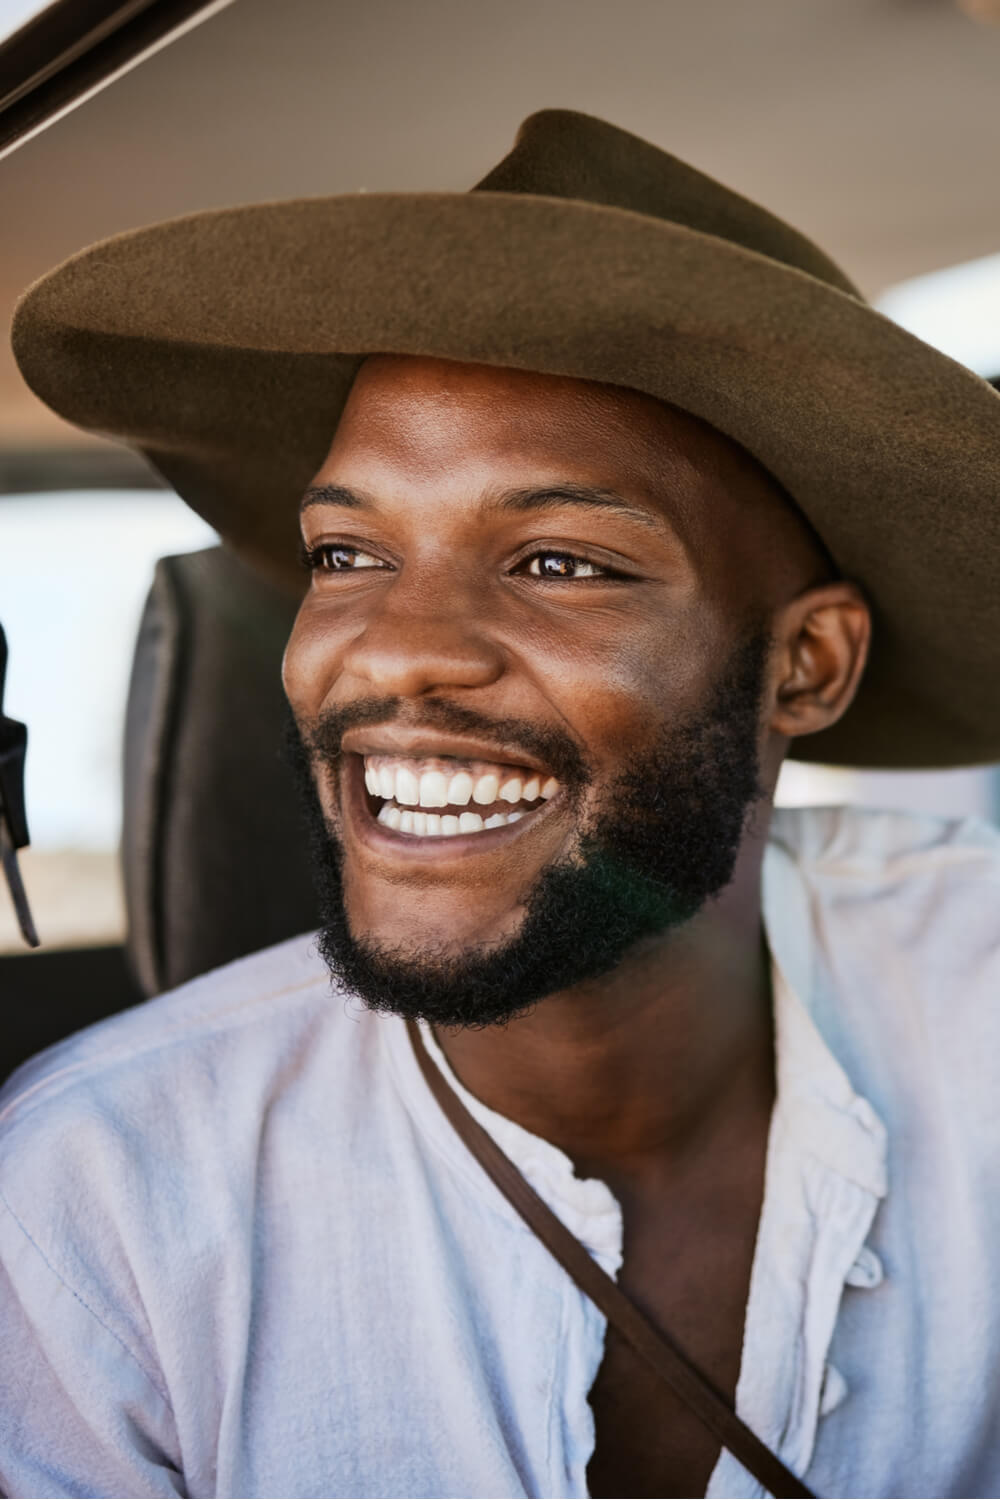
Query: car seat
{"points": [[214, 854]]}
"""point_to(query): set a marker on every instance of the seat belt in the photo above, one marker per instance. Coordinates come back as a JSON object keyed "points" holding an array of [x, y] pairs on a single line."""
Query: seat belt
{"points": [[655, 1348]]}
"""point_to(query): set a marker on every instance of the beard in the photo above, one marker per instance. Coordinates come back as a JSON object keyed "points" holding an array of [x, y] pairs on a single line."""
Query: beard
{"points": [[663, 842]]}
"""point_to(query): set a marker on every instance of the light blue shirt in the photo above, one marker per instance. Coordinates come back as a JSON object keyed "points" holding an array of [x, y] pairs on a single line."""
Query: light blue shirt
{"points": [[244, 1254]]}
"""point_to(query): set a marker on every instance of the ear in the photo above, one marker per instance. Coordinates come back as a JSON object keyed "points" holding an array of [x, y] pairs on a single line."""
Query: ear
{"points": [[821, 645]]}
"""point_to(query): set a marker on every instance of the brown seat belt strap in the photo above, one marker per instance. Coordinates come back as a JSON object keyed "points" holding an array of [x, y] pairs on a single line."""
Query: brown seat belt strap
{"points": [[673, 1366]]}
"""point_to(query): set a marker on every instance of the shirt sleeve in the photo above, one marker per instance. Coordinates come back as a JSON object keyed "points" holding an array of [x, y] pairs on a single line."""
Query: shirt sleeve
{"points": [[78, 1413]]}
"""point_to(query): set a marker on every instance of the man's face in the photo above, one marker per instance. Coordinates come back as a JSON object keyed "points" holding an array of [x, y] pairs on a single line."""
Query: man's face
{"points": [[534, 603]]}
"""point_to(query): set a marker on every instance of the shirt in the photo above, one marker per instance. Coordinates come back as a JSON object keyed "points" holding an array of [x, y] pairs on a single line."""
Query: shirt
{"points": [[244, 1254]]}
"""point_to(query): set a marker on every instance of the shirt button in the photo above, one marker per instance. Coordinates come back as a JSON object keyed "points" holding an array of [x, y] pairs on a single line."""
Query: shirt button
{"points": [[866, 1271], [864, 1114], [834, 1391]]}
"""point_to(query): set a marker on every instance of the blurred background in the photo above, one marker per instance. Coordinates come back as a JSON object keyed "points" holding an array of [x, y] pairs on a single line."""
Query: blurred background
{"points": [[872, 125]]}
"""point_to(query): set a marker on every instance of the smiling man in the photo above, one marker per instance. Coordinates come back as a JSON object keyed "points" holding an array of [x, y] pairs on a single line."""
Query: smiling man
{"points": [[593, 547], [532, 667]]}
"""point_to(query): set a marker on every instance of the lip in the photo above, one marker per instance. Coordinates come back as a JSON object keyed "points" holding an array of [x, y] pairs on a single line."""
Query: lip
{"points": [[388, 842], [420, 744]]}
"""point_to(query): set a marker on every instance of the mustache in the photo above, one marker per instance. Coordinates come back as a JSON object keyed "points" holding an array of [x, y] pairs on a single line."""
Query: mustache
{"points": [[323, 736]]}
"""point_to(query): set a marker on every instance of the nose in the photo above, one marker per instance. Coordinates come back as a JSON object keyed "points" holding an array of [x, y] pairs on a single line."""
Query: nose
{"points": [[422, 639]]}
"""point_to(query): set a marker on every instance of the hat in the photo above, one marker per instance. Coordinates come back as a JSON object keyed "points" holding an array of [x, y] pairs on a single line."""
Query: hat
{"points": [[223, 346]]}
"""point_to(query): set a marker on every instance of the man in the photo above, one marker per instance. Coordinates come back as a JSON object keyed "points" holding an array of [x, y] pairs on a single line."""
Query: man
{"points": [[606, 517]]}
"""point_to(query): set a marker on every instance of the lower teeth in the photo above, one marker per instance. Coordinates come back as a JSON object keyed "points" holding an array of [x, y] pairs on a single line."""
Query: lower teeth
{"points": [[436, 825]]}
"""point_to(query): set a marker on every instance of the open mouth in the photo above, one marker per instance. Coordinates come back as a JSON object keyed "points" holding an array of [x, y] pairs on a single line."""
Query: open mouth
{"points": [[442, 797]]}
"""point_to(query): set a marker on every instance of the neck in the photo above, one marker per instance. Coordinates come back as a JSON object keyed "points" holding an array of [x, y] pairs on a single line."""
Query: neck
{"points": [[631, 1073]]}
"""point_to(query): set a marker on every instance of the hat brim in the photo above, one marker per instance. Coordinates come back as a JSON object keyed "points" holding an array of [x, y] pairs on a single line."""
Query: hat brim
{"points": [[224, 344]]}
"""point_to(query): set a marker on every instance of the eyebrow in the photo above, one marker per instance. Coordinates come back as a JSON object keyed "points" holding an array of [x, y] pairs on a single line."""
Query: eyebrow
{"points": [[546, 497], [332, 494], [549, 497]]}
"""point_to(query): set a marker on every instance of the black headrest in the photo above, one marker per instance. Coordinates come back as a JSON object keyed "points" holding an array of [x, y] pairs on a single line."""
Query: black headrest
{"points": [[214, 855]]}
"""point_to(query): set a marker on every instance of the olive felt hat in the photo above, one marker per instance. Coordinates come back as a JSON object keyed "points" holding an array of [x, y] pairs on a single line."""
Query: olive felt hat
{"points": [[223, 346]]}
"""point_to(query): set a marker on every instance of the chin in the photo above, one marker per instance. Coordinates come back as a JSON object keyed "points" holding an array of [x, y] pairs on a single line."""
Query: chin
{"points": [[414, 935]]}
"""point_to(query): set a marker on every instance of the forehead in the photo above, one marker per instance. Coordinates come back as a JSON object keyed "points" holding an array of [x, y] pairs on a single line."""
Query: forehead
{"points": [[412, 411], [412, 425]]}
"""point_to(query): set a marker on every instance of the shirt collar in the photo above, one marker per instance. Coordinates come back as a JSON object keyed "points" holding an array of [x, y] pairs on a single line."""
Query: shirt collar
{"points": [[816, 1107], [815, 1097]]}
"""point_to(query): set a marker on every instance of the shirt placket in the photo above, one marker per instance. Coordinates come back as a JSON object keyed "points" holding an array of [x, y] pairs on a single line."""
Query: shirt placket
{"points": [[825, 1180]]}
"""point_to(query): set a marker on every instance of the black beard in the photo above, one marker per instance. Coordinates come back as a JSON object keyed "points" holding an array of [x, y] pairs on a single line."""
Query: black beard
{"points": [[663, 843]]}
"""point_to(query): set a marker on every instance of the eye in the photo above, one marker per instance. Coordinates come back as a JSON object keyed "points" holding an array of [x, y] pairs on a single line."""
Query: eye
{"points": [[335, 557], [563, 565]]}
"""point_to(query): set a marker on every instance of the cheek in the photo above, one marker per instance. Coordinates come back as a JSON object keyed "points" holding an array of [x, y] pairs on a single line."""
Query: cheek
{"points": [[619, 689]]}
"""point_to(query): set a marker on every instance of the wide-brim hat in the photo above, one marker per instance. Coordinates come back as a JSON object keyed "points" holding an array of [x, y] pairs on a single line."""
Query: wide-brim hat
{"points": [[223, 346]]}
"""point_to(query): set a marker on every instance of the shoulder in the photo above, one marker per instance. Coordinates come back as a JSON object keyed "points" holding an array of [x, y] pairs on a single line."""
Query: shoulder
{"points": [[861, 842], [139, 1150], [276, 986], [138, 1162], [185, 1077], [877, 877], [888, 926]]}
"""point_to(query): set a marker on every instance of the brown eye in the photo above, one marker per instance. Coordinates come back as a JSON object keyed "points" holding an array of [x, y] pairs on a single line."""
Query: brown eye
{"points": [[334, 557], [562, 565]]}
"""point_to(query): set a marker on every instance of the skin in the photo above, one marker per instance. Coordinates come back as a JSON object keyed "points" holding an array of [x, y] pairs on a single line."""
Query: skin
{"points": [[657, 1078]]}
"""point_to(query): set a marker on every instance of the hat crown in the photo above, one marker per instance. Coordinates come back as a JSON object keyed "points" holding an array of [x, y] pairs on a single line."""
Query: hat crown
{"points": [[560, 153]]}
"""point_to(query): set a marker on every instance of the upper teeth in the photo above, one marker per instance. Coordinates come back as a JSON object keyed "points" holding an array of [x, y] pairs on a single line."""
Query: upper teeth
{"points": [[415, 784]]}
